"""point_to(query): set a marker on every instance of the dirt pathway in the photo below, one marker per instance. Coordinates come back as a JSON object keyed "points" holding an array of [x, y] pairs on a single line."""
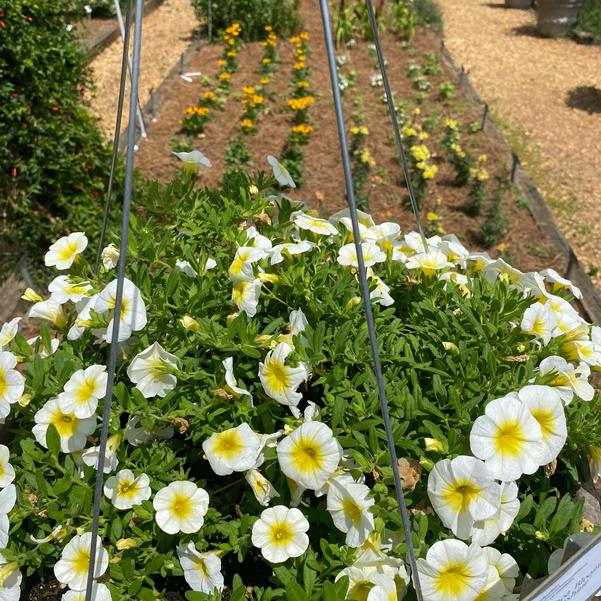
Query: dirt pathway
{"points": [[547, 97], [166, 34]]}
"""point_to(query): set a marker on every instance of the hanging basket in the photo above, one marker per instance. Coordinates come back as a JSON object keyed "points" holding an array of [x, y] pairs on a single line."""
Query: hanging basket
{"points": [[518, 3], [557, 17]]}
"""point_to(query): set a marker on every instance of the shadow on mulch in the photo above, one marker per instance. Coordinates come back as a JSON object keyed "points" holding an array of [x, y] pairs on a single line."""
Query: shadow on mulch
{"points": [[527, 30], [585, 98], [494, 5]]}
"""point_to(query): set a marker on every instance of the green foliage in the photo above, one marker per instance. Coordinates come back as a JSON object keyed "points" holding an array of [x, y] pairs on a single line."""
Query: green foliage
{"points": [[589, 18], [428, 13], [237, 152], [253, 16], [494, 226], [53, 161], [294, 160]]}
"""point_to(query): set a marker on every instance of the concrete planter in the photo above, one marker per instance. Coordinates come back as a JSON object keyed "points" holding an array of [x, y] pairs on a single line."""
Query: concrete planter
{"points": [[557, 17], [518, 4]]}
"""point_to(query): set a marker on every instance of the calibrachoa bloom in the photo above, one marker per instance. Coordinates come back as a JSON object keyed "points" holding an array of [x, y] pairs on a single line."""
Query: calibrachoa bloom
{"points": [[7, 472], [181, 507], [231, 382], [279, 380], [245, 295], [202, 571], [62, 289], [372, 254], [313, 224], [110, 256], [280, 173], [540, 321], [83, 391], [12, 383], [280, 533], [508, 439], [10, 588], [49, 310], [452, 571], [8, 498], [568, 380], [65, 251], [149, 371], [8, 331], [486, 531], [309, 455], [233, 450], [125, 490], [194, 160], [429, 262], [100, 592], [73, 566], [262, 488], [506, 567]]}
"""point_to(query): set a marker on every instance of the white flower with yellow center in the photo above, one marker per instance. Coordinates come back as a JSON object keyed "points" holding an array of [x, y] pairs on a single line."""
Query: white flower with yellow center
{"points": [[12, 383], [73, 566], [452, 571], [462, 491], [62, 289], [8, 498], [232, 450], [381, 292], [486, 531], [493, 589], [10, 580], [110, 256], [202, 571], [242, 265], [38, 345], [281, 174], [384, 589], [508, 439], [100, 592], [309, 455], [91, 456], [7, 472], [133, 310], [279, 380], [539, 320], [8, 331], [181, 507], [262, 488], [365, 219], [193, 161], [546, 407], [65, 251], [372, 254], [83, 391], [253, 238], [568, 380], [49, 310], [349, 505], [559, 282], [149, 371], [280, 533], [84, 308], [289, 249], [313, 224], [71, 430], [505, 565], [384, 234], [186, 268], [137, 435], [429, 262], [125, 490], [583, 350], [231, 381], [595, 462], [245, 295]]}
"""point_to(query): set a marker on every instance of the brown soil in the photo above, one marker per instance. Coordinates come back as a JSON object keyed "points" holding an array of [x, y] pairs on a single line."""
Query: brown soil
{"points": [[324, 188]]}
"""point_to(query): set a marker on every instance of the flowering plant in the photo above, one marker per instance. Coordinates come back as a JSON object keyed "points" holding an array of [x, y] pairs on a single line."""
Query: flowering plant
{"points": [[246, 448]]}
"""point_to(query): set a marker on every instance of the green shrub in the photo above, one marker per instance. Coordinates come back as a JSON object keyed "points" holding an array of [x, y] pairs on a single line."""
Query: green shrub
{"points": [[428, 13], [252, 15], [53, 161], [589, 18]]}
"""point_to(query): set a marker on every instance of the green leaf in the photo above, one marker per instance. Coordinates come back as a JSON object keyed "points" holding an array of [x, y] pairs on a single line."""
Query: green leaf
{"points": [[53, 440], [295, 592]]}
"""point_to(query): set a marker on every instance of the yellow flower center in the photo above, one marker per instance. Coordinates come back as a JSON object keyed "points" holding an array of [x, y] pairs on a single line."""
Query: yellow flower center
{"points": [[127, 488], [510, 439], [81, 561], [351, 510], [453, 580], [3, 383], [86, 390], [201, 566], [307, 456], [281, 534], [181, 506], [65, 423], [65, 253], [276, 375], [228, 444], [545, 420], [461, 494], [360, 590]]}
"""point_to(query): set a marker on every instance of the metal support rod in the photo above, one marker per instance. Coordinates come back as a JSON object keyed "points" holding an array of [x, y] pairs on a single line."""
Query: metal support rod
{"points": [[114, 346], [210, 19], [515, 161], [393, 118], [117, 136], [348, 178], [484, 116], [139, 108]]}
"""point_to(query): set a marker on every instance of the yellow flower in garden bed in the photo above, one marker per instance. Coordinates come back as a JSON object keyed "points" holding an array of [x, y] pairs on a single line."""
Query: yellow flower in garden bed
{"points": [[300, 104], [224, 76]]}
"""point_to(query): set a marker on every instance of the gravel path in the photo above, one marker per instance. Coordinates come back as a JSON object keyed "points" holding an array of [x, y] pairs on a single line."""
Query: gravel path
{"points": [[546, 95], [166, 33]]}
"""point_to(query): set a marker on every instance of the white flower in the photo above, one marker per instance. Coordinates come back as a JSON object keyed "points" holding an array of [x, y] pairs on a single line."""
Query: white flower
{"points": [[83, 391], [462, 491], [8, 498], [62, 289], [49, 310], [372, 254], [73, 566], [57, 532], [280, 533], [313, 224], [309, 455], [137, 436], [384, 234], [381, 292], [233, 450], [429, 262], [193, 161], [181, 507], [187, 268], [278, 252], [257, 240], [583, 350], [505, 565], [558, 282], [349, 505], [100, 592], [72, 430], [508, 439], [595, 463], [231, 382], [84, 308], [10, 589], [279, 380], [365, 219], [540, 321], [280, 173], [486, 531], [245, 295], [7, 472], [298, 322], [262, 488], [242, 265], [384, 588], [8, 331], [545, 406], [202, 571], [125, 490], [568, 381], [12, 383], [65, 251], [149, 371], [452, 571], [110, 256], [133, 310], [91, 456], [41, 349]]}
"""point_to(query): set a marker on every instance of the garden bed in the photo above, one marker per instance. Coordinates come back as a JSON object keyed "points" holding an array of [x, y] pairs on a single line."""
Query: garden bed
{"points": [[525, 244]]}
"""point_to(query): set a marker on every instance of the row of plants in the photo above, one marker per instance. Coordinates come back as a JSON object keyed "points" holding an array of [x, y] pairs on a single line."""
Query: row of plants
{"points": [[247, 455]]}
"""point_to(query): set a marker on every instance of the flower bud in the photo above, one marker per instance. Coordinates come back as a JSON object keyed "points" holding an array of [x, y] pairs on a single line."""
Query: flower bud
{"points": [[127, 543], [24, 400], [110, 256], [426, 463], [450, 346], [253, 190], [189, 323], [352, 302], [433, 445], [269, 277], [32, 296]]}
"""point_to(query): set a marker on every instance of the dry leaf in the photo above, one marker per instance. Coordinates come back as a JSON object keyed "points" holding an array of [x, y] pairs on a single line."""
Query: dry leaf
{"points": [[516, 358], [410, 471], [320, 196], [183, 424], [550, 468]]}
